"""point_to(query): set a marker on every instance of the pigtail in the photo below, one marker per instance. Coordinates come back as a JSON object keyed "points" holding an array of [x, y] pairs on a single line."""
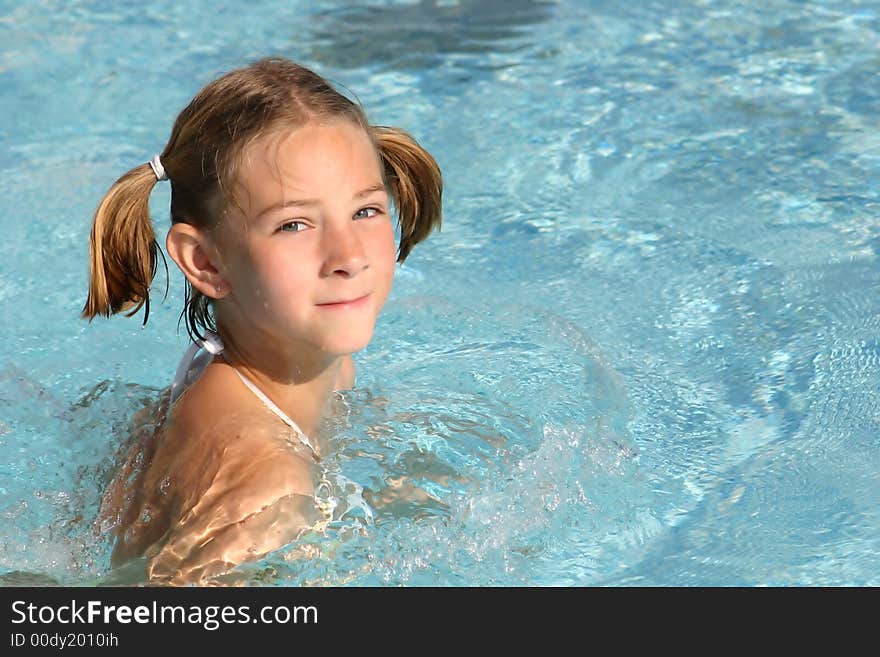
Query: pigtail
{"points": [[416, 185], [123, 248]]}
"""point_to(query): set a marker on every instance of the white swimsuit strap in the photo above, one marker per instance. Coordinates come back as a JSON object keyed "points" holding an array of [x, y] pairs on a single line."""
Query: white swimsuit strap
{"points": [[211, 343], [272, 407], [182, 369], [214, 346]]}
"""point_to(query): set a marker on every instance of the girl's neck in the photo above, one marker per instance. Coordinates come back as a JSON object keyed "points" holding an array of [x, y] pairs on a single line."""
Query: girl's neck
{"points": [[299, 381]]}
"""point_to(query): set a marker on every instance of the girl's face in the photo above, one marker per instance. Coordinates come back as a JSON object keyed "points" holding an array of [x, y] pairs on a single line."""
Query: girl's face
{"points": [[309, 255]]}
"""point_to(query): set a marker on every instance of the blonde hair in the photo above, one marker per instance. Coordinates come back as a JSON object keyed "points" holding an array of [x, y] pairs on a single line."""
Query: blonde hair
{"points": [[201, 161]]}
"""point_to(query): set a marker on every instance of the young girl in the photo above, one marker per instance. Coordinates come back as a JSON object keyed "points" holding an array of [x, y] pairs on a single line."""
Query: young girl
{"points": [[281, 196]]}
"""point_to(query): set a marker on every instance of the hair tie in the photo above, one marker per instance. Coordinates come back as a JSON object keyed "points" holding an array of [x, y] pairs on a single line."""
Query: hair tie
{"points": [[158, 169]]}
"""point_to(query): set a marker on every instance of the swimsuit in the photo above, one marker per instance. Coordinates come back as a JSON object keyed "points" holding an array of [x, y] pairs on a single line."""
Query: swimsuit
{"points": [[199, 355]]}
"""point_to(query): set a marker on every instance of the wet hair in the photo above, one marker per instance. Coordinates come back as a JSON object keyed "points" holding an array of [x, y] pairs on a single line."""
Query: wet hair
{"points": [[201, 160]]}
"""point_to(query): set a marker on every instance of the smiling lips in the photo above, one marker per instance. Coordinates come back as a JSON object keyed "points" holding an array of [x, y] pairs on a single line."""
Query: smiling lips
{"points": [[342, 305]]}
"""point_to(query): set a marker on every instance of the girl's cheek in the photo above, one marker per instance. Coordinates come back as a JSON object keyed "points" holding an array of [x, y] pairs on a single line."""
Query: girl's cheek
{"points": [[389, 246], [388, 259]]}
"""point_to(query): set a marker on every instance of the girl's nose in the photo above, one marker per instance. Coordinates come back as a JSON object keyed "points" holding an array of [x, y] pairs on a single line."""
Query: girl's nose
{"points": [[344, 253]]}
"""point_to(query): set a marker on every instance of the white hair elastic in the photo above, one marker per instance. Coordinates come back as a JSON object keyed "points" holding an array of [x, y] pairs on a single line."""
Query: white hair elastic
{"points": [[158, 169]]}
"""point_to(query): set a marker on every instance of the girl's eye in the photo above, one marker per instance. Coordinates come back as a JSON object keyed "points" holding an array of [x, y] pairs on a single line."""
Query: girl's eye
{"points": [[293, 227], [358, 214]]}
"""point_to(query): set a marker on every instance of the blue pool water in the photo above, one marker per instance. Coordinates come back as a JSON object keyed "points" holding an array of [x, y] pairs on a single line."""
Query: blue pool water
{"points": [[643, 349]]}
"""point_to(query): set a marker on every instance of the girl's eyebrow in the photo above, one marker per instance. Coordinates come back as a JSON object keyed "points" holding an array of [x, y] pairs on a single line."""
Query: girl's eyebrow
{"points": [[375, 187]]}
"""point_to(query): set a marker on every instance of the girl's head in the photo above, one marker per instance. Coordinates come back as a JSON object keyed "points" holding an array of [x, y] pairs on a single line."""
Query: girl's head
{"points": [[247, 147]]}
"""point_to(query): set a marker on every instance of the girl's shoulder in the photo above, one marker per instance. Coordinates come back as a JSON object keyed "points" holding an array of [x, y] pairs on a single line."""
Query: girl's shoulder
{"points": [[251, 494], [239, 486], [223, 420]]}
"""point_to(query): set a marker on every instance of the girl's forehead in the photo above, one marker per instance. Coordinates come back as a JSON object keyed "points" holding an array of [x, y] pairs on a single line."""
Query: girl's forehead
{"points": [[316, 159], [326, 141]]}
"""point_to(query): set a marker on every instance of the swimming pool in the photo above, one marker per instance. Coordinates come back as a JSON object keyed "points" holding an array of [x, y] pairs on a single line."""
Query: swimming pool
{"points": [[643, 349]]}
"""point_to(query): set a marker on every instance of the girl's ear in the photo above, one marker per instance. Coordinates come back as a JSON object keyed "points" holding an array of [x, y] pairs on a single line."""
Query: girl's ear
{"points": [[191, 249]]}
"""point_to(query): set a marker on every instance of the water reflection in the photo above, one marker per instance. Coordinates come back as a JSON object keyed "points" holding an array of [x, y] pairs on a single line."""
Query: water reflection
{"points": [[414, 36]]}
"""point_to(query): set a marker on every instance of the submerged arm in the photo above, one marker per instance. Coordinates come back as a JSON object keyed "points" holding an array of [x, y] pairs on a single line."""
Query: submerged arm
{"points": [[261, 499]]}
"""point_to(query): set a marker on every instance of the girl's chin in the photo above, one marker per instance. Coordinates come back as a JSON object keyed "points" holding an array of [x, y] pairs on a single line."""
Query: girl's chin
{"points": [[345, 345]]}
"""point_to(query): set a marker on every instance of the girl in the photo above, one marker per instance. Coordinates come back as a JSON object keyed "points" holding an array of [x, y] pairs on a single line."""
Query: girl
{"points": [[281, 196]]}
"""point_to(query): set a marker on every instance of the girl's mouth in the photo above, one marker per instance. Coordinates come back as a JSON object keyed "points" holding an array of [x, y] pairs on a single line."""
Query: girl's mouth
{"points": [[345, 304]]}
